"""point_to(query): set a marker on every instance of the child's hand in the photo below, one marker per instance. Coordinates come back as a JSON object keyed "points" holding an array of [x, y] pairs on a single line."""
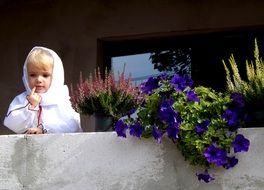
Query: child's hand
{"points": [[34, 130], [33, 98]]}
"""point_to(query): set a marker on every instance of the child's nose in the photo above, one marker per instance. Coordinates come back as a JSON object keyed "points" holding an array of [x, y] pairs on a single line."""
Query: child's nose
{"points": [[38, 79]]}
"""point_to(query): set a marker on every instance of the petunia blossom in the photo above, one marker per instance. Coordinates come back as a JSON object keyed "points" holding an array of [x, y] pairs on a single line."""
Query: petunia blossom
{"points": [[136, 129], [240, 144], [157, 134], [163, 77], [167, 113], [238, 99], [151, 84], [215, 155], [180, 83], [202, 127], [120, 128], [192, 96], [173, 130], [130, 112], [232, 119], [205, 177], [231, 162]]}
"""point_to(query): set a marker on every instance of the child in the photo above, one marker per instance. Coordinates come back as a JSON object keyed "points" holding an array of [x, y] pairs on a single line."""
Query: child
{"points": [[45, 106]]}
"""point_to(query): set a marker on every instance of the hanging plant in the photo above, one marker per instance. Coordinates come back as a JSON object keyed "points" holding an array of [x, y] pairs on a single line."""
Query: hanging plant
{"points": [[202, 123]]}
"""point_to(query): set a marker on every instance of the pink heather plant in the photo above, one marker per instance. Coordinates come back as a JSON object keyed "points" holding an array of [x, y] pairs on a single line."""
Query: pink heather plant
{"points": [[105, 95]]}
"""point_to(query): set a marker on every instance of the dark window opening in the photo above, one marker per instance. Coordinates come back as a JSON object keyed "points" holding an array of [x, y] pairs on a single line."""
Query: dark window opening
{"points": [[197, 55]]}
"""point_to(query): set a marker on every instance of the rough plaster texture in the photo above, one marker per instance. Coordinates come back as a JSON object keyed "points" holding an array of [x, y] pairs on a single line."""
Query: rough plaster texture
{"points": [[102, 161]]}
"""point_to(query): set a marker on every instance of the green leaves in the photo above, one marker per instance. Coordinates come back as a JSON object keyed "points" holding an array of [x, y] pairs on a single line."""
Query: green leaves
{"points": [[150, 112]]}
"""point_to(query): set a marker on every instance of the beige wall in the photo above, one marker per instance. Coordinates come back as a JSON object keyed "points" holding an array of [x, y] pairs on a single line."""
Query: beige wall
{"points": [[72, 29]]}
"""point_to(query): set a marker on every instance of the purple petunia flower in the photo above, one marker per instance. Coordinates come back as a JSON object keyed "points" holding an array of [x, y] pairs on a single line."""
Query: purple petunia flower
{"points": [[231, 162], [130, 112], [202, 127], [188, 82], [167, 113], [180, 83], [173, 130], [215, 155], [149, 85], [232, 119], [157, 134], [136, 129], [240, 144], [238, 99], [205, 177], [120, 128], [163, 76], [192, 96]]}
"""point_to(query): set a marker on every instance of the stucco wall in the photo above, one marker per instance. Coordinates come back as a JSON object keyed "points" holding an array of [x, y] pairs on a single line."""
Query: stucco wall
{"points": [[72, 29], [103, 161]]}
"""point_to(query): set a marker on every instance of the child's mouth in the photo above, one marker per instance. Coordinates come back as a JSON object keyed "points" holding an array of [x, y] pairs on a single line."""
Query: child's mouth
{"points": [[38, 88]]}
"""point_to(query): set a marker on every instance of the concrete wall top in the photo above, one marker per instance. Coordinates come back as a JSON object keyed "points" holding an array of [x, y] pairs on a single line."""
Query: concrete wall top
{"points": [[103, 161]]}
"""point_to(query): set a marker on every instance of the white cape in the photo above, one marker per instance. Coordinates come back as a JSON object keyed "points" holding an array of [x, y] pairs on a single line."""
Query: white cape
{"points": [[57, 114]]}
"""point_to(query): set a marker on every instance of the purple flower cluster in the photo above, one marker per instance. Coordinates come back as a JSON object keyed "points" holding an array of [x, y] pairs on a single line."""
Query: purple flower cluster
{"points": [[205, 177], [121, 128], [160, 115], [170, 117], [149, 85], [233, 114], [180, 83], [157, 134], [192, 97], [215, 155], [240, 144], [218, 156], [202, 127]]}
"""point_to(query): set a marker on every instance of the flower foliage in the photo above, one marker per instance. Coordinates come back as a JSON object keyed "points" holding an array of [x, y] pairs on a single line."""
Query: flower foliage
{"points": [[202, 122], [105, 95]]}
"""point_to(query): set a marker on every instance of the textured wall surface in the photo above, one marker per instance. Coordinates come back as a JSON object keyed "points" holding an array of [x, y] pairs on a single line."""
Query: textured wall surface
{"points": [[103, 161]]}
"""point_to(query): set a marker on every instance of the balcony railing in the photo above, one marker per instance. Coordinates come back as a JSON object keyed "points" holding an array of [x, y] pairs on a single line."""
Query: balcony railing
{"points": [[103, 161]]}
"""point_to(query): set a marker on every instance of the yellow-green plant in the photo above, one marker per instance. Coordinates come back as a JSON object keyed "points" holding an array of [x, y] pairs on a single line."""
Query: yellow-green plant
{"points": [[253, 87]]}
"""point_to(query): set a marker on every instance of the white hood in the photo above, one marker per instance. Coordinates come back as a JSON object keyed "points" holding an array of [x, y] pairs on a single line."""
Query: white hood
{"points": [[58, 92]]}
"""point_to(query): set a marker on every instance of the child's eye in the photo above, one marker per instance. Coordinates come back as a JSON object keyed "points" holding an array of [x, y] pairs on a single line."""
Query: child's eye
{"points": [[46, 75], [32, 75]]}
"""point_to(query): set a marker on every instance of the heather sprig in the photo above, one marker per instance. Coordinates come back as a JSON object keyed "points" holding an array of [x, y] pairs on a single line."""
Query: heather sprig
{"points": [[105, 94], [202, 122]]}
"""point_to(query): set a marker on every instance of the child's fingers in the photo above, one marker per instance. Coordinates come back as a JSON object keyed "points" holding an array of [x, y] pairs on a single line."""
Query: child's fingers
{"points": [[33, 90], [29, 131], [39, 131], [34, 131]]}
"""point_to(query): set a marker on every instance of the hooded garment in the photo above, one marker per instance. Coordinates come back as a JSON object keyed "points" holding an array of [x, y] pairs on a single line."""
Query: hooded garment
{"points": [[57, 114]]}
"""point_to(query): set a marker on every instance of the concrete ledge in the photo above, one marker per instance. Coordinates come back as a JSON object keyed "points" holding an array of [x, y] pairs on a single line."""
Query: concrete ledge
{"points": [[103, 161]]}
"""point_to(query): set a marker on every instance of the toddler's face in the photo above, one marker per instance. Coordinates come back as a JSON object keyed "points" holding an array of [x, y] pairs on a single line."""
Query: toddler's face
{"points": [[39, 77]]}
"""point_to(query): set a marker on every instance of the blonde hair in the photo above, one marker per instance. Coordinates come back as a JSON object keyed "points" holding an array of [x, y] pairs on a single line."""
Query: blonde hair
{"points": [[40, 58]]}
